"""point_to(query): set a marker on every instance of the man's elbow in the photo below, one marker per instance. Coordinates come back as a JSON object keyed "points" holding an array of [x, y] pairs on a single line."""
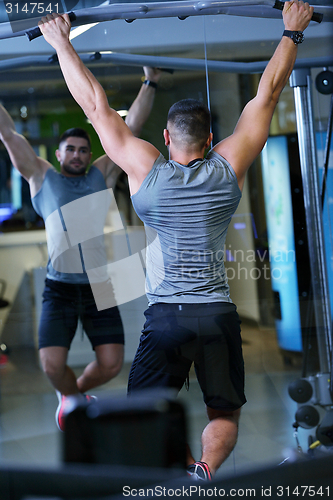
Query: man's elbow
{"points": [[93, 113], [96, 111]]}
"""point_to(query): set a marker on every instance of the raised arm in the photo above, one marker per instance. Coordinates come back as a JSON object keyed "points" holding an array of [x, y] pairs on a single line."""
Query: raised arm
{"points": [[252, 129], [134, 156], [22, 156], [135, 119], [143, 103]]}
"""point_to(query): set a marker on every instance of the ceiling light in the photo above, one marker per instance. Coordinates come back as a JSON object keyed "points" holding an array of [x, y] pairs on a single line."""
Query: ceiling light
{"points": [[80, 29]]}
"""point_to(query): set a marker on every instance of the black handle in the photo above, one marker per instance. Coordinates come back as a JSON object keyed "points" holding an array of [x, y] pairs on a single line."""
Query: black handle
{"points": [[36, 32], [316, 16]]}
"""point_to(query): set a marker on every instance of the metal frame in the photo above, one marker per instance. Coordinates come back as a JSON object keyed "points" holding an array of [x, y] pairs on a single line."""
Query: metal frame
{"points": [[181, 9], [300, 81], [186, 64]]}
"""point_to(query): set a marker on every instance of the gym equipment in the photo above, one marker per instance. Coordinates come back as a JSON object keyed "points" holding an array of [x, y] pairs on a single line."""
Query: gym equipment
{"points": [[147, 429], [314, 389], [180, 9]]}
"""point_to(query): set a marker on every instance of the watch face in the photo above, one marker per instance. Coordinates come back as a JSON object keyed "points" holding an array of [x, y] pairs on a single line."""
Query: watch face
{"points": [[298, 37]]}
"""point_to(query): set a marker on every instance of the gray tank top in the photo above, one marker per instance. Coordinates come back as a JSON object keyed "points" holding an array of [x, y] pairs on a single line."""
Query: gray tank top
{"points": [[74, 211], [186, 211]]}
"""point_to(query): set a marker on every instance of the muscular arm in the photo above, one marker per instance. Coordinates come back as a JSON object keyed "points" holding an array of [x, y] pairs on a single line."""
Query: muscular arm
{"points": [[252, 129], [134, 156], [143, 103], [22, 156]]}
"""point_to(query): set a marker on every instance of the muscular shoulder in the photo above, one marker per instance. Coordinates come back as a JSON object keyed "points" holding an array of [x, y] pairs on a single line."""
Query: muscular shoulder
{"points": [[108, 169], [37, 178]]}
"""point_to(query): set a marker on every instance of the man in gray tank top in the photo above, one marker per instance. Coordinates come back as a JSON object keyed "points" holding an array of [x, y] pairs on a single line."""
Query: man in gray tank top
{"points": [[186, 203], [63, 200]]}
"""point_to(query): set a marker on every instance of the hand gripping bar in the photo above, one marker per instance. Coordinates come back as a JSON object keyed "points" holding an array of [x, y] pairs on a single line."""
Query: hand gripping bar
{"points": [[36, 32], [316, 16]]}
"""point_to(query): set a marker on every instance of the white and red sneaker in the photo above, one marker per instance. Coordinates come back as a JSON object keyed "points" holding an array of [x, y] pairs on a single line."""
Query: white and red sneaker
{"points": [[199, 471], [67, 404]]}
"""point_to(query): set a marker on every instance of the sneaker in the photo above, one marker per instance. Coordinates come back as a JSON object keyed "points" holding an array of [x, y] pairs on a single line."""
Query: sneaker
{"points": [[89, 398], [66, 405], [199, 471]]}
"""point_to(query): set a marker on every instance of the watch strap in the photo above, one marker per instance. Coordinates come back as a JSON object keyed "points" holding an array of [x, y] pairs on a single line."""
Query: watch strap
{"points": [[150, 83], [296, 36]]}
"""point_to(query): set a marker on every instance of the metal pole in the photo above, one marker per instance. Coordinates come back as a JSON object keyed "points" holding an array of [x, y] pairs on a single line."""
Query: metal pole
{"points": [[301, 82], [176, 63], [150, 10]]}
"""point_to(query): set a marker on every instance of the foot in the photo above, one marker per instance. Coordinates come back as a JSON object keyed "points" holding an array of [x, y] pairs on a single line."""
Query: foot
{"points": [[199, 471], [67, 404], [89, 398]]}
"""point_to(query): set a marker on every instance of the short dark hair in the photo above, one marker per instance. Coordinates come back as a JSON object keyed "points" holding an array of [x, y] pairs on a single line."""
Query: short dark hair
{"points": [[191, 118], [75, 132]]}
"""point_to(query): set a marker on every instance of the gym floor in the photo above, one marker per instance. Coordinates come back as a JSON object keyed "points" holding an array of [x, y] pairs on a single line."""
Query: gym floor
{"points": [[29, 436]]}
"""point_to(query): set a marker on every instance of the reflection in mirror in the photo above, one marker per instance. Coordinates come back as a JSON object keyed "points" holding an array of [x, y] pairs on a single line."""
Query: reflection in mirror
{"points": [[42, 109]]}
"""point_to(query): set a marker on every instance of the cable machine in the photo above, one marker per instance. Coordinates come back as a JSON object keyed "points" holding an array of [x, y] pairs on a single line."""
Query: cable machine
{"points": [[314, 390]]}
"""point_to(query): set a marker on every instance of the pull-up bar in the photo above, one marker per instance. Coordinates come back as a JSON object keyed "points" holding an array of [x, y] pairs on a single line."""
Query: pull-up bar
{"points": [[177, 63], [181, 9]]}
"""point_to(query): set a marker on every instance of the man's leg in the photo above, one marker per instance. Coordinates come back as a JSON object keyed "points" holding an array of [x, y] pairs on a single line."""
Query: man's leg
{"points": [[220, 371], [57, 328], [219, 437], [108, 363], [54, 363]]}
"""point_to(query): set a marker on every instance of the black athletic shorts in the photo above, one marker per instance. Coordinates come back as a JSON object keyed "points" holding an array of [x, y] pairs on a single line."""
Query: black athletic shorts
{"points": [[64, 304], [176, 335]]}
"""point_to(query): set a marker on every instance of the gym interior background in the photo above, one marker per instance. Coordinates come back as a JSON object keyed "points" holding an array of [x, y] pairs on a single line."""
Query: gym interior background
{"points": [[280, 339]]}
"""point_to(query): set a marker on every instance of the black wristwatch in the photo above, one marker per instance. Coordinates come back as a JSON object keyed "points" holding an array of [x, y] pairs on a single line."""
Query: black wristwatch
{"points": [[296, 36], [150, 83]]}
